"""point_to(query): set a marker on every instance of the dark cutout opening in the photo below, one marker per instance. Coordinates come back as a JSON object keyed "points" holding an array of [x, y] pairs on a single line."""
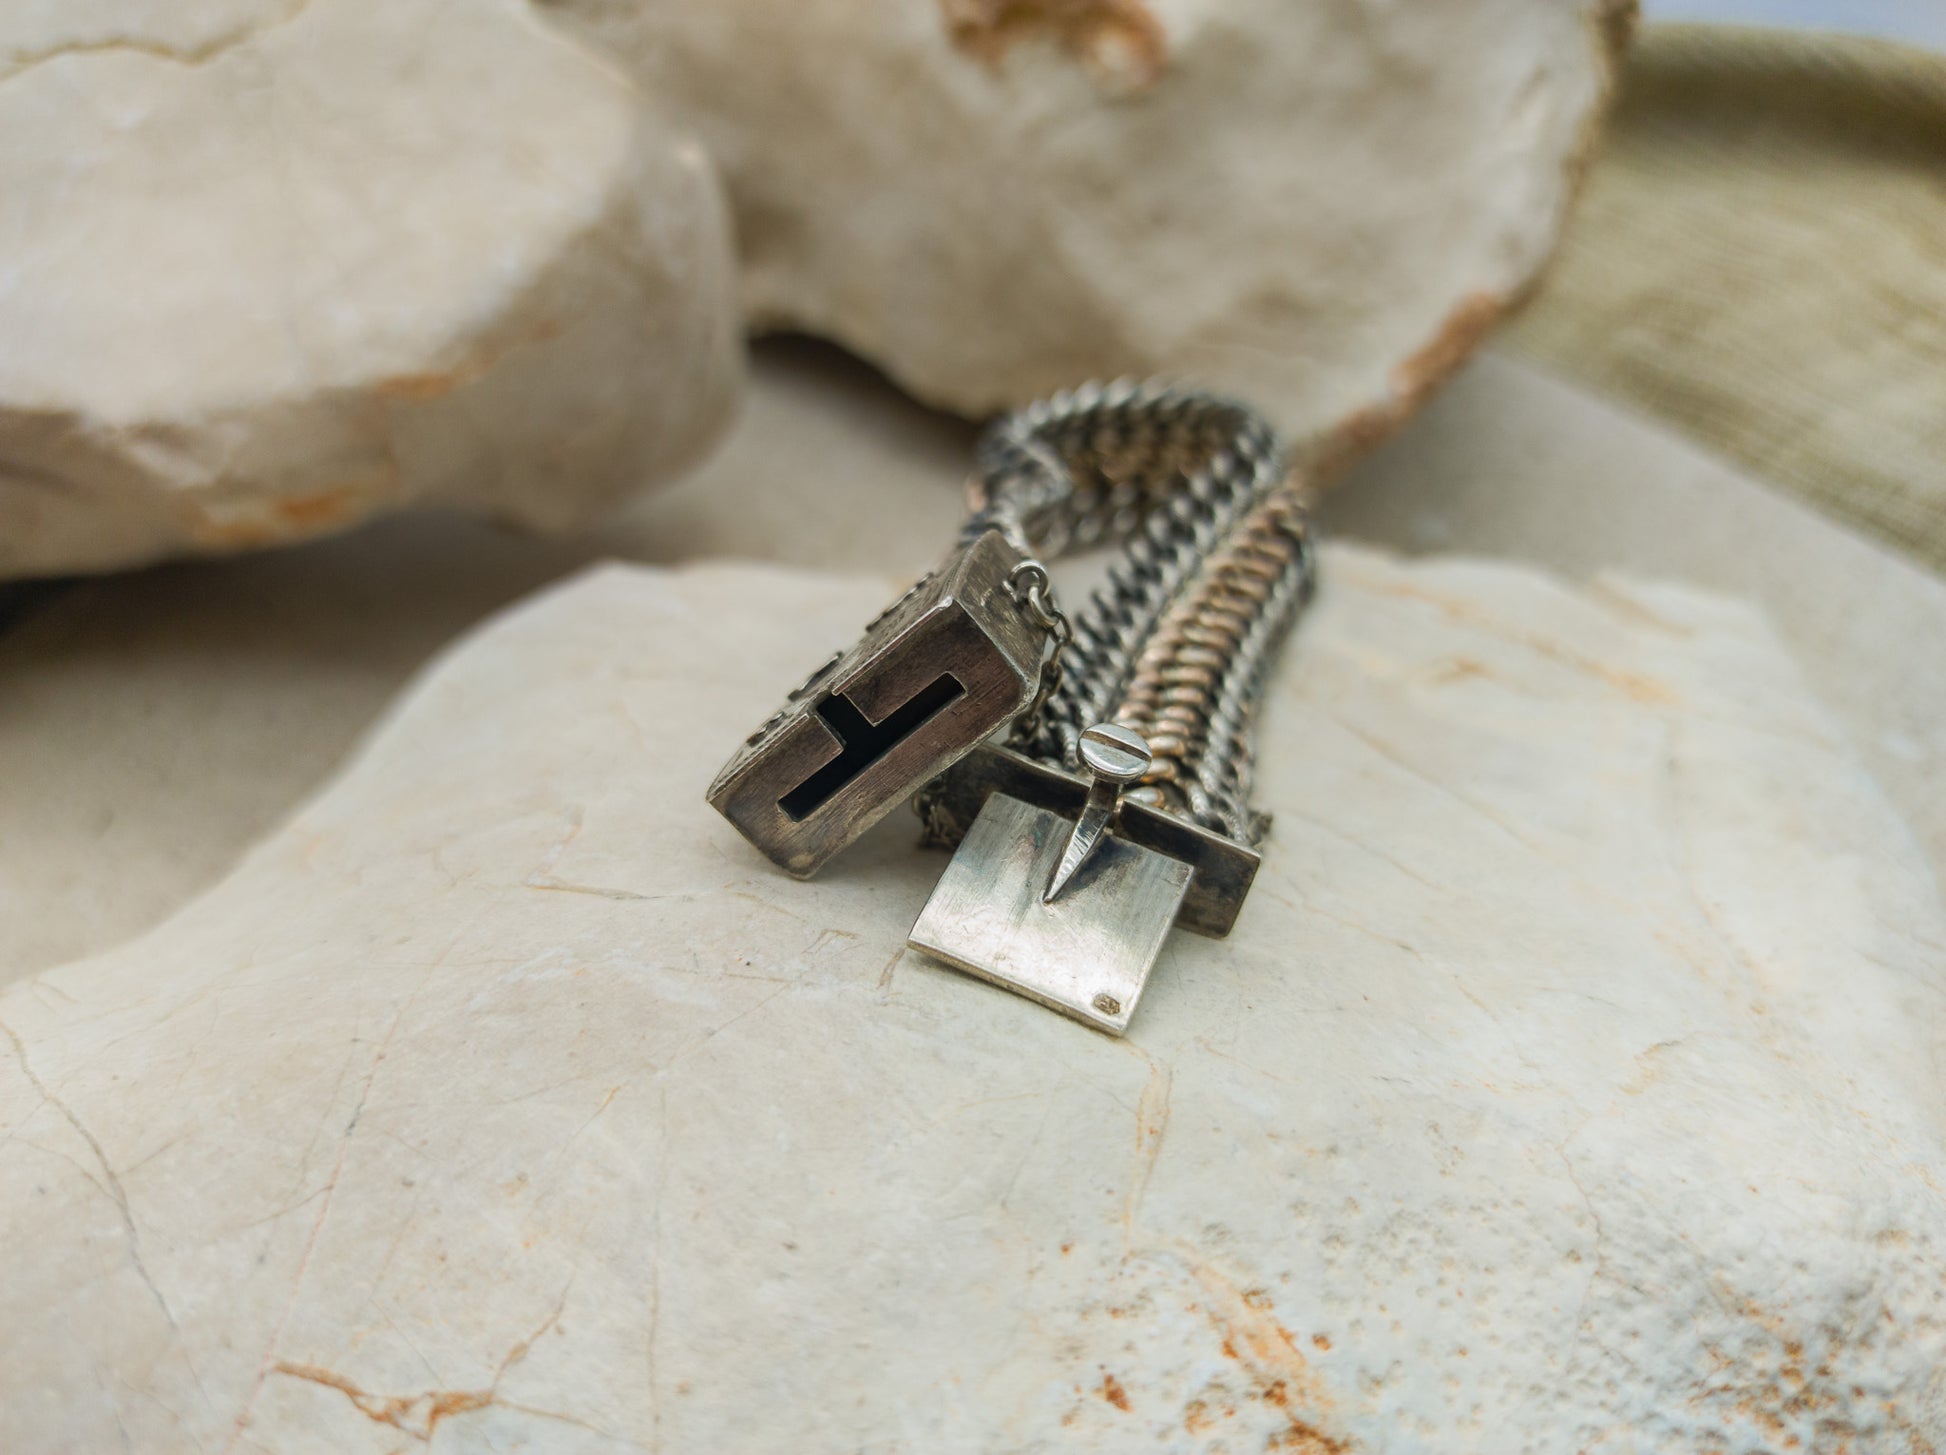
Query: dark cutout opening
{"points": [[864, 743]]}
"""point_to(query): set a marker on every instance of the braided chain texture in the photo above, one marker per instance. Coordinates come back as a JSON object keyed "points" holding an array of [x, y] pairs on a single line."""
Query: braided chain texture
{"points": [[1214, 565]]}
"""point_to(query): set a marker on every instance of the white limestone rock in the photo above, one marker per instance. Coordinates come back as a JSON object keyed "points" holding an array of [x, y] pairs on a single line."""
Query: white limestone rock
{"points": [[1322, 206], [1570, 1082], [271, 267]]}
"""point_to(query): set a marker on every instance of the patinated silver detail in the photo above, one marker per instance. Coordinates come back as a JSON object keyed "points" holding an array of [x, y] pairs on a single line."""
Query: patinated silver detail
{"points": [[955, 658], [1089, 953], [1102, 754], [1116, 757]]}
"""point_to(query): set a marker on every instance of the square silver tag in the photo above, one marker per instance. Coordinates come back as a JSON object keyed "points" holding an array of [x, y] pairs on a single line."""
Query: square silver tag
{"points": [[1089, 953]]}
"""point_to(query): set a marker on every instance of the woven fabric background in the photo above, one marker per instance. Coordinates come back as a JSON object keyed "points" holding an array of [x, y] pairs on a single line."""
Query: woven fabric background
{"points": [[1760, 259]]}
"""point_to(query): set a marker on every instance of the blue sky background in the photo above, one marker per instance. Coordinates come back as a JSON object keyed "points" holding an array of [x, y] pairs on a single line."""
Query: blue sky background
{"points": [[1920, 21]]}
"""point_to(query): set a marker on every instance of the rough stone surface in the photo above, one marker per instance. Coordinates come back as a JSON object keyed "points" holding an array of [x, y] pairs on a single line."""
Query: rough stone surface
{"points": [[1571, 1082], [1514, 462], [1322, 206], [273, 267]]}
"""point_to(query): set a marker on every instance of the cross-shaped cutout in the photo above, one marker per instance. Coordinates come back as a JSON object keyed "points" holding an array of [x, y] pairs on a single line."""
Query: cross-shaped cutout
{"points": [[863, 742]]}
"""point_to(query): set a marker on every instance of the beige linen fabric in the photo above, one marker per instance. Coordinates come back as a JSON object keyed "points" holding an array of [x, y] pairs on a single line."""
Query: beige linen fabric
{"points": [[1760, 260]]}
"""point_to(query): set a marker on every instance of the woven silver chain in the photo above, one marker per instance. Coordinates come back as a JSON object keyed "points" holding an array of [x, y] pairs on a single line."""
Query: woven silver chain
{"points": [[1214, 563]]}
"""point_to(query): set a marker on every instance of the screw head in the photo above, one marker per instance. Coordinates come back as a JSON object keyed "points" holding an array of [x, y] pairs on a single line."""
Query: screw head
{"points": [[1116, 753]]}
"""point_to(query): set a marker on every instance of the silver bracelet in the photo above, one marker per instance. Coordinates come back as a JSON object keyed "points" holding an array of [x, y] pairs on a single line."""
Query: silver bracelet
{"points": [[1092, 771]]}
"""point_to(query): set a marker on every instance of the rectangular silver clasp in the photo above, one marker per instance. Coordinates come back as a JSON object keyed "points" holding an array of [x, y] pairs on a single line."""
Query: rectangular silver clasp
{"points": [[951, 661]]}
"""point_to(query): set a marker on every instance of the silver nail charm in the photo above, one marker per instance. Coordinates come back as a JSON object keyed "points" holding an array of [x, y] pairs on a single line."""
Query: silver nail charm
{"points": [[1116, 756]]}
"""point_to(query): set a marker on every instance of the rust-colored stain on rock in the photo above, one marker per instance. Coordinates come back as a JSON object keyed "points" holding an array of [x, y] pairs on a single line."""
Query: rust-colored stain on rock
{"points": [[1303, 1439], [1119, 38], [1466, 326], [415, 1414], [1776, 1383], [1112, 1391], [292, 517], [417, 388], [476, 363], [1413, 381], [1250, 1333], [1458, 338], [1636, 686], [320, 511]]}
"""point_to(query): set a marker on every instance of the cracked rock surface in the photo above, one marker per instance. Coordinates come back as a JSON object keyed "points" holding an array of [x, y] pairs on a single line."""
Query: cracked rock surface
{"points": [[274, 267], [1570, 1082]]}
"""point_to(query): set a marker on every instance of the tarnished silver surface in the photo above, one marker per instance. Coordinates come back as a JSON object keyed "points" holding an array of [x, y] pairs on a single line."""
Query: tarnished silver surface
{"points": [[1087, 954], [1224, 869], [957, 657], [1148, 691], [1117, 757], [1214, 565]]}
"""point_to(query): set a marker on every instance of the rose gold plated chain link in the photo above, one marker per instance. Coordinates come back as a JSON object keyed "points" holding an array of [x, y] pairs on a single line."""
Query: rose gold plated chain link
{"points": [[1214, 563]]}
